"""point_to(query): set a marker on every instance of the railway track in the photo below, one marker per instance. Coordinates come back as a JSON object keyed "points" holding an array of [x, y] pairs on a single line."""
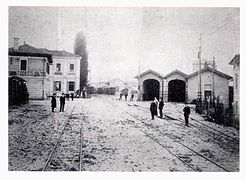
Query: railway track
{"points": [[214, 133], [203, 124], [67, 141], [187, 155]]}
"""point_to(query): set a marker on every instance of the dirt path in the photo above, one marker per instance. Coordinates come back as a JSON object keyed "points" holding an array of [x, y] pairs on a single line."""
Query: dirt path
{"points": [[105, 134]]}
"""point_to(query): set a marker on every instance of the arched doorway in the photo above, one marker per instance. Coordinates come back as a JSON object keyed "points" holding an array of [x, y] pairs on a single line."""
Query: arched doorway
{"points": [[151, 88], [176, 91]]}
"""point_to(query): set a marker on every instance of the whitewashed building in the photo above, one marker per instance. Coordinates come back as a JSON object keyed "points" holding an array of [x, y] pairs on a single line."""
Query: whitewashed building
{"points": [[177, 86], [65, 72], [117, 83], [45, 71], [236, 87], [221, 85], [32, 65]]}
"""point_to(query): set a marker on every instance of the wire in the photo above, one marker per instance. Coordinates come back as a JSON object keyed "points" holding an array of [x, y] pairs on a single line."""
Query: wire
{"points": [[221, 25]]}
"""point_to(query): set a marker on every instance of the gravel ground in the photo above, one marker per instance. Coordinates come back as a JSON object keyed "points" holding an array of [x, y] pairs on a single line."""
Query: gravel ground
{"points": [[112, 139]]}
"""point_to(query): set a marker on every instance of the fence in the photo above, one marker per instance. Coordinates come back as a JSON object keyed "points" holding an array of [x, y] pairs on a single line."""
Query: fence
{"points": [[215, 111]]}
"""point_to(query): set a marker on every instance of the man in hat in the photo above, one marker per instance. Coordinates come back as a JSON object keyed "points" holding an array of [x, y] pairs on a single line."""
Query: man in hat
{"points": [[62, 102], [186, 113], [53, 102], [161, 104]]}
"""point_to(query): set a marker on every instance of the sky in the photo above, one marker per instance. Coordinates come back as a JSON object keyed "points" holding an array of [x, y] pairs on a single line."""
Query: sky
{"points": [[121, 38]]}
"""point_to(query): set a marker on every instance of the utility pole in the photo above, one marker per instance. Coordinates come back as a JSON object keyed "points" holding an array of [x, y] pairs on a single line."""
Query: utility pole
{"points": [[213, 94], [138, 75], [199, 93], [139, 93]]}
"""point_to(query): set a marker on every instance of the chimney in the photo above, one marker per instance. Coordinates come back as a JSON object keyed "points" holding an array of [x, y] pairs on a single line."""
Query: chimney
{"points": [[16, 43]]}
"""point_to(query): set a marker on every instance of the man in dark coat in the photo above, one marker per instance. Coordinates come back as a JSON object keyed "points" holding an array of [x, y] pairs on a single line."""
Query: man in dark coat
{"points": [[186, 114], [153, 108], [72, 96], [121, 94], [161, 104], [126, 94], [62, 102], [53, 102], [132, 96]]}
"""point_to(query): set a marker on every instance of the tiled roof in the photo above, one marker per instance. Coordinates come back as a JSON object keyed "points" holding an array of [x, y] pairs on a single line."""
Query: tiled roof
{"points": [[150, 71], [27, 50], [210, 69], [174, 72], [62, 53]]}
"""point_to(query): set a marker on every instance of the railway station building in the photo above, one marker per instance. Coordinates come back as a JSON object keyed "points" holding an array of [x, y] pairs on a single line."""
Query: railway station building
{"points": [[44, 71], [178, 86]]}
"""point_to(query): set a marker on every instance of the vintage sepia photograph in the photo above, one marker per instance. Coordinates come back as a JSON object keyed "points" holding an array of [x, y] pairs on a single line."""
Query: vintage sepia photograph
{"points": [[125, 89]]}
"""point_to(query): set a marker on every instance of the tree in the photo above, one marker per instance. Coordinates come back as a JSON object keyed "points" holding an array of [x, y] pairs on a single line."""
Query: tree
{"points": [[80, 49]]}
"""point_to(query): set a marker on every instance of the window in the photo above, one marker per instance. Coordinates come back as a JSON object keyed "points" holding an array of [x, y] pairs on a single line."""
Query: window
{"points": [[71, 86], [48, 68], [57, 86], [58, 67], [71, 67], [23, 65]]}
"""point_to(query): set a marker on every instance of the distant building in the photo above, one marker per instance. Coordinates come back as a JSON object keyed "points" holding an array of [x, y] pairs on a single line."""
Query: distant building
{"points": [[117, 83], [177, 86], [65, 72], [236, 87], [32, 65]]}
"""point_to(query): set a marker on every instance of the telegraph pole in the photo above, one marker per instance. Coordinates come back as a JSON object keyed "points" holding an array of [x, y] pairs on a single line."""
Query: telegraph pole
{"points": [[138, 75], [139, 93], [213, 95], [199, 93]]}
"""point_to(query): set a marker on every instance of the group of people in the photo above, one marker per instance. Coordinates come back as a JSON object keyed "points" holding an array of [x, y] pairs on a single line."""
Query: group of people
{"points": [[62, 102], [131, 99], [154, 105]]}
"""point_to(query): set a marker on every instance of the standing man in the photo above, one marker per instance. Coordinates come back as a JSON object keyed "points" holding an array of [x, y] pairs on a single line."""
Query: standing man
{"points": [[126, 94], [72, 95], [132, 96], [156, 103], [120, 96], [53, 102], [186, 114], [153, 109], [62, 102], [161, 104]]}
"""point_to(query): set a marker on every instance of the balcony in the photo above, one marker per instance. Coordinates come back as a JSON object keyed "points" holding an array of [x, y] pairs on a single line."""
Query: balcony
{"points": [[58, 73], [27, 73]]}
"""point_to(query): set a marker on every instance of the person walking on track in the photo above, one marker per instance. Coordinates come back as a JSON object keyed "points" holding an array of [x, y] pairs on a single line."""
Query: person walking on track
{"points": [[186, 114], [53, 102], [161, 104], [121, 94], [62, 102], [153, 109]]}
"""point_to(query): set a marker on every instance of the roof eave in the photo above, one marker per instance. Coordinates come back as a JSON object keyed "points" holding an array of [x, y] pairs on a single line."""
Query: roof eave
{"points": [[17, 53]]}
